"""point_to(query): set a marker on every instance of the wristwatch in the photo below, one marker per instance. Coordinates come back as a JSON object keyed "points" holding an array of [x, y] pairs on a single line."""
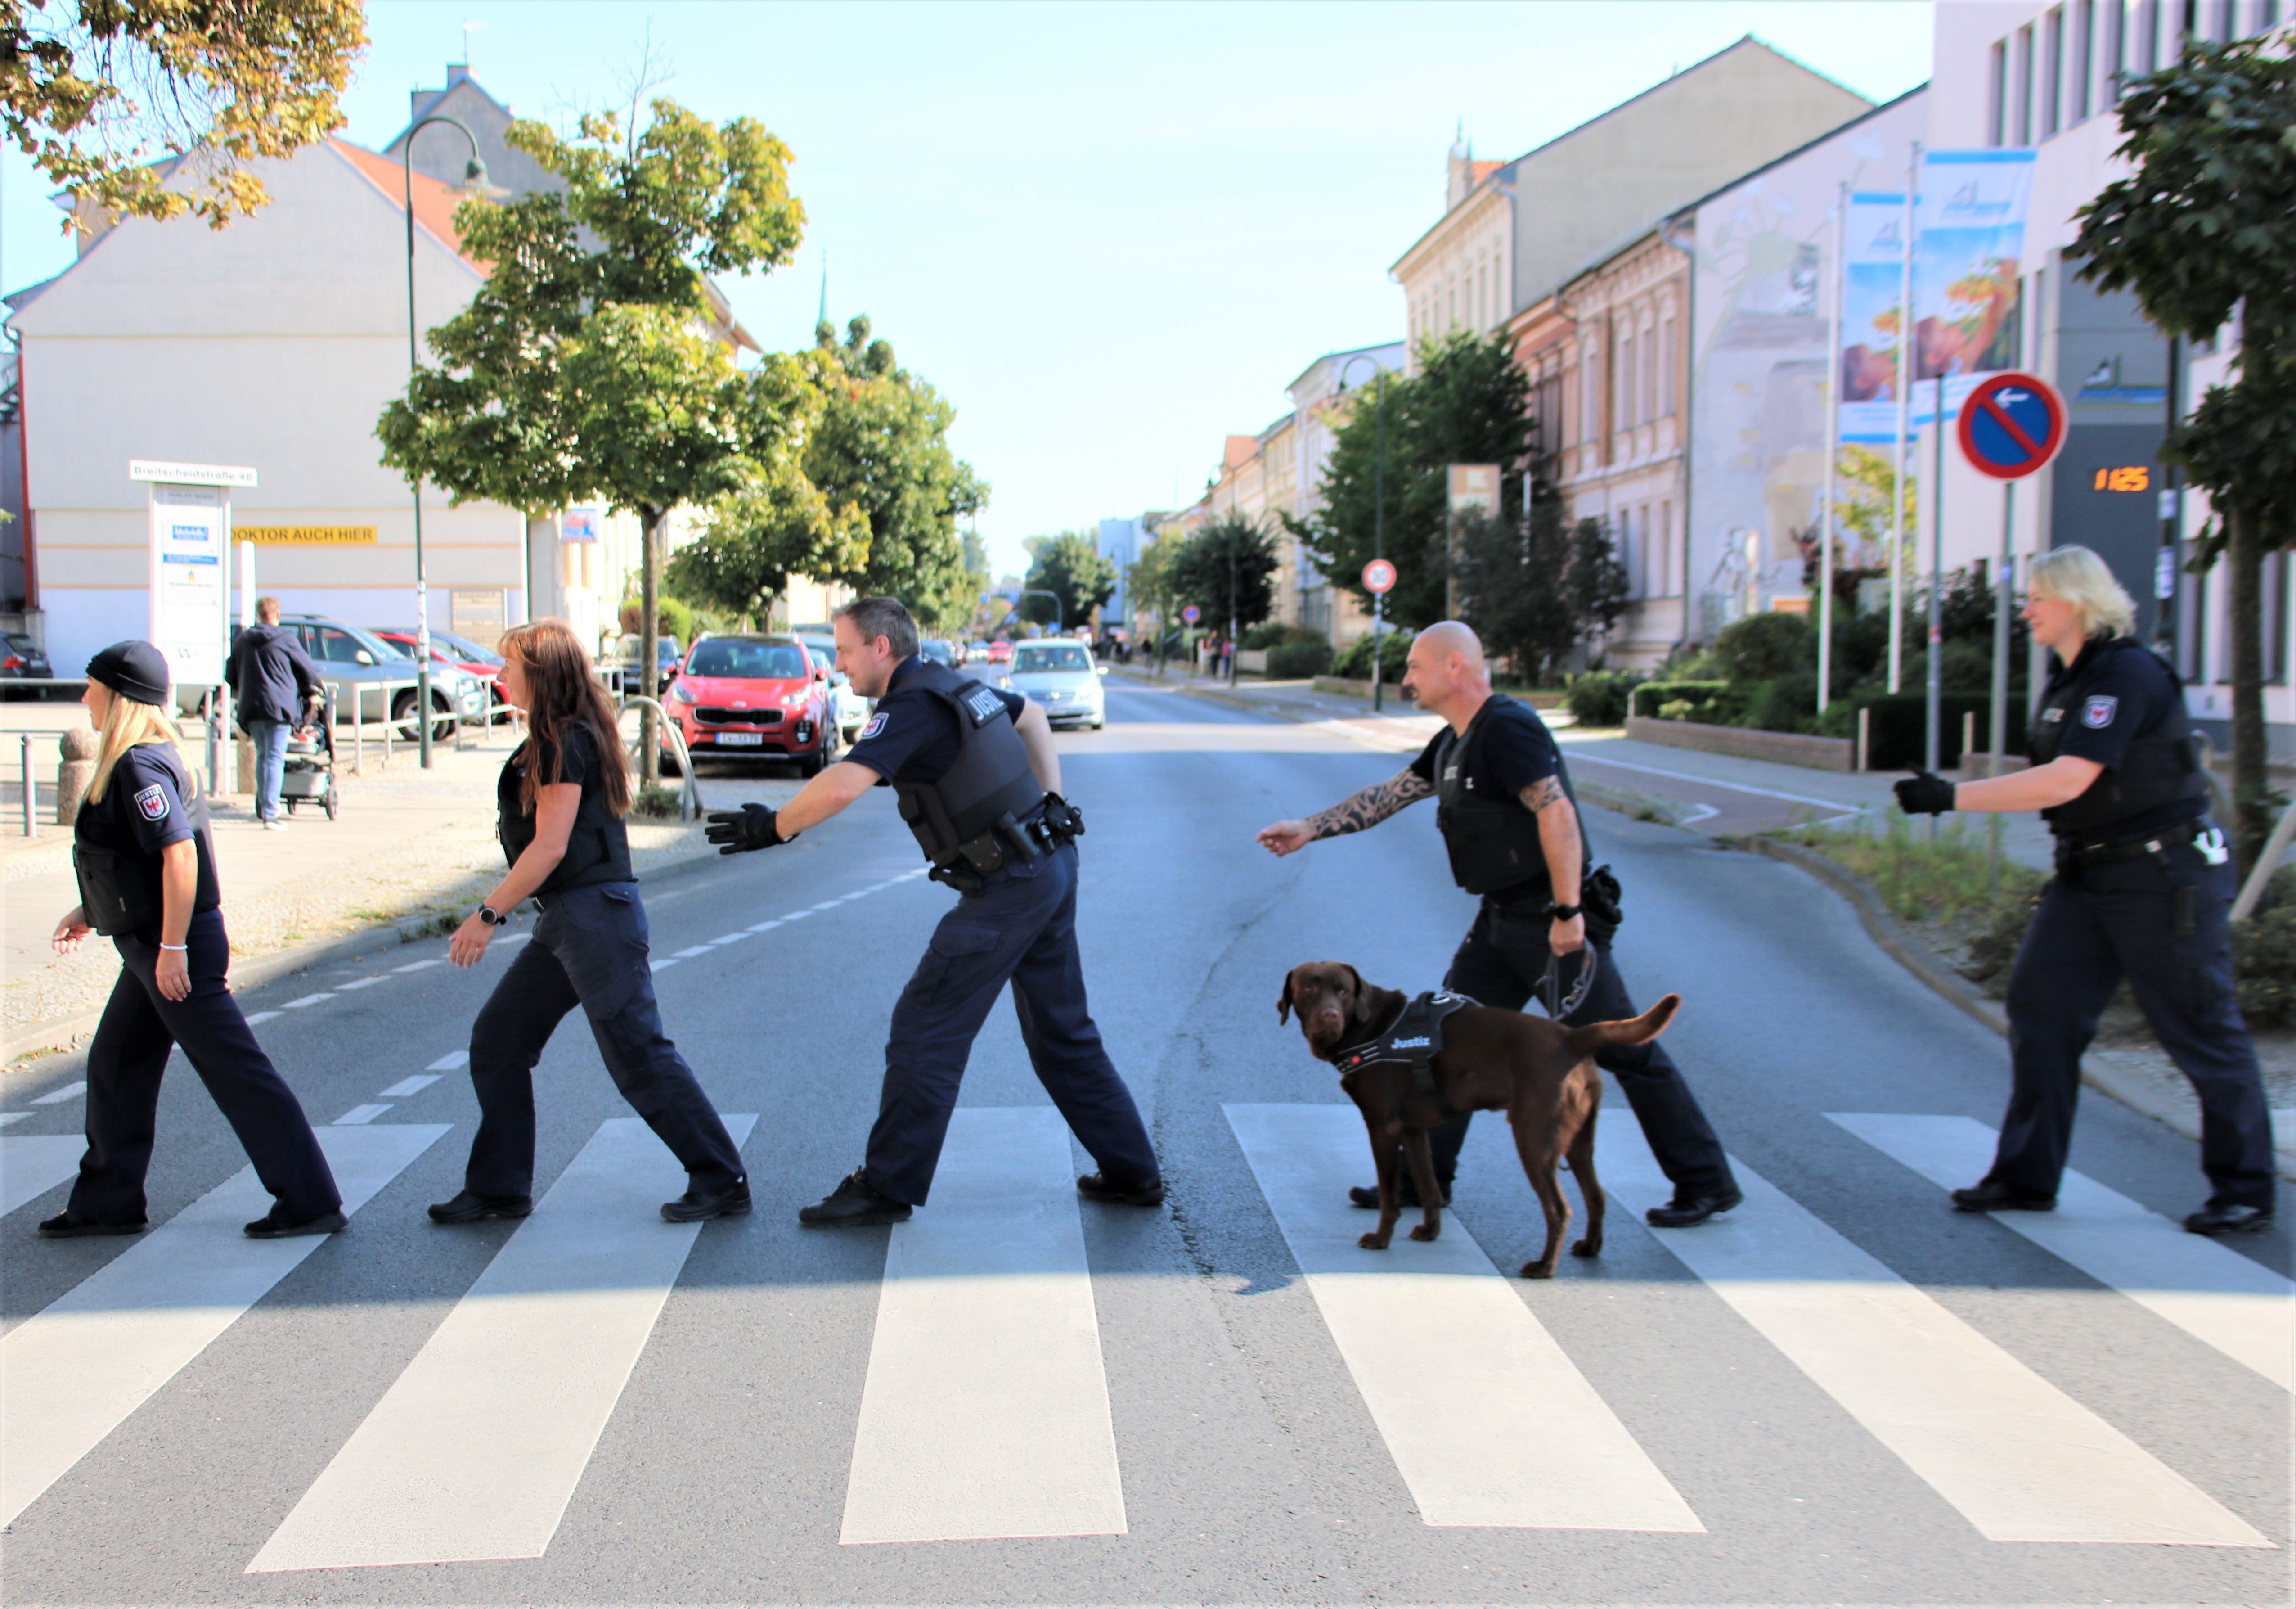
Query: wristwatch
{"points": [[1568, 913], [493, 917]]}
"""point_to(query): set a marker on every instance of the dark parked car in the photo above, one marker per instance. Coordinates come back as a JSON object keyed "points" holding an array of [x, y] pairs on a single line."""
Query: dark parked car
{"points": [[23, 660]]}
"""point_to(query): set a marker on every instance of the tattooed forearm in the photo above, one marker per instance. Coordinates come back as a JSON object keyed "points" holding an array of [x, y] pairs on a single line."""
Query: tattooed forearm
{"points": [[1558, 836], [1371, 807], [1542, 793]]}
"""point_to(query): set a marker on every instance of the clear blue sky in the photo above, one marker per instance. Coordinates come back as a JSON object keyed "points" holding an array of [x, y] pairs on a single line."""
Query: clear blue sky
{"points": [[1109, 233]]}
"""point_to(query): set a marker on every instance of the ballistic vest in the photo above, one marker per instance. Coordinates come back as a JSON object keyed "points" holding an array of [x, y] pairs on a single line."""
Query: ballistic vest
{"points": [[1492, 843], [597, 849], [2162, 765], [989, 781], [119, 887]]}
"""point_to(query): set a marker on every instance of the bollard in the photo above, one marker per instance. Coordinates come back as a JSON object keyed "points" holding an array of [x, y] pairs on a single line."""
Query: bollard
{"points": [[75, 770], [387, 724], [31, 810], [1863, 712], [1968, 738]]}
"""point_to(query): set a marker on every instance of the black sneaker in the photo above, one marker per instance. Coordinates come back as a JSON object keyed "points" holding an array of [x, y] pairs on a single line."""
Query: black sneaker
{"points": [[1093, 1187], [697, 1205], [1688, 1211], [1994, 1197], [69, 1225], [1368, 1195], [276, 1224], [2215, 1221], [855, 1205], [469, 1206]]}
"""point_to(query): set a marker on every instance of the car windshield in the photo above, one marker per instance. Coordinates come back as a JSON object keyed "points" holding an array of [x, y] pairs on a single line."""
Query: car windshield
{"points": [[749, 661], [1051, 656], [22, 643]]}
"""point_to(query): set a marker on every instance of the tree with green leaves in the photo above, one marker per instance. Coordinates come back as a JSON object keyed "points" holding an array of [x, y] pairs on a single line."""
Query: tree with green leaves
{"points": [[1539, 590], [593, 362], [1225, 570], [2204, 231], [1467, 403], [1071, 567], [1148, 584], [155, 108]]}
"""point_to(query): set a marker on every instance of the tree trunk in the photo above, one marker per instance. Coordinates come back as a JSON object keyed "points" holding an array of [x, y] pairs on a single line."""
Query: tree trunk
{"points": [[2244, 603], [649, 623]]}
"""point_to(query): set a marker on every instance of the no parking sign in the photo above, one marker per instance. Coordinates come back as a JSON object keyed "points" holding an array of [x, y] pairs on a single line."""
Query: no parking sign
{"points": [[2012, 425]]}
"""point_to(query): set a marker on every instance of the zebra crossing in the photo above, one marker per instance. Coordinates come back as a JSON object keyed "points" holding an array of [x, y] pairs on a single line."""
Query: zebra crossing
{"points": [[986, 1410]]}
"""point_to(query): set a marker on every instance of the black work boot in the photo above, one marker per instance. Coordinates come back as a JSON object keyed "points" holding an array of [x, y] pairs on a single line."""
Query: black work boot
{"points": [[2216, 1220], [1991, 1196], [855, 1205], [470, 1207], [1095, 1187], [69, 1225], [698, 1204]]}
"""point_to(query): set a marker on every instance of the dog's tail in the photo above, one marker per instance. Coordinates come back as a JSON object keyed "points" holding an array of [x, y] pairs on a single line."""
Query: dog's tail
{"points": [[1635, 1030]]}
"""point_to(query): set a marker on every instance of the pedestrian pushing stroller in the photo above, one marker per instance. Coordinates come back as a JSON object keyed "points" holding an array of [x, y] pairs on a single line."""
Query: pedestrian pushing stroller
{"points": [[310, 777]]}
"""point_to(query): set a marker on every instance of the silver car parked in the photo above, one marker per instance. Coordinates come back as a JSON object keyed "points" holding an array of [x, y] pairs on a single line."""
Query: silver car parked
{"points": [[1062, 678]]}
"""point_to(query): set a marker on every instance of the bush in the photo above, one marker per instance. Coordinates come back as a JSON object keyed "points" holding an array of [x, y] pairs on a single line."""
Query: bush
{"points": [[655, 802], [1763, 647], [1681, 701], [1354, 661], [1787, 704], [2264, 956], [1274, 633], [673, 617], [1293, 659], [1598, 698]]}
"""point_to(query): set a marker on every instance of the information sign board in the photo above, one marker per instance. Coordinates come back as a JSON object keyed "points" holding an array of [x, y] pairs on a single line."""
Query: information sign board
{"points": [[188, 533]]}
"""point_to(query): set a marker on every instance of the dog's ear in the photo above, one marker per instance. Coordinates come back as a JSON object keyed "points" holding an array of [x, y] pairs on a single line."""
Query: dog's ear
{"points": [[1367, 1007], [1283, 1001]]}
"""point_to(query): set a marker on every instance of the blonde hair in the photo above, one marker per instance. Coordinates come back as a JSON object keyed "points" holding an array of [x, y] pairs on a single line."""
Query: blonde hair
{"points": [[129, 725], [2076, 576]]}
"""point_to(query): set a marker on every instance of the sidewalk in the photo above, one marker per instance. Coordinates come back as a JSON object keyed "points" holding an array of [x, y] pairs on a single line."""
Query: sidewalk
{"points": [[408, 847]]}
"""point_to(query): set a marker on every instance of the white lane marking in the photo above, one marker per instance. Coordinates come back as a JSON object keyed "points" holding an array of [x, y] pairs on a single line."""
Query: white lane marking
{"points": [[663, 965], [985, 1413], [1850, 807], [33, 1164], [729, 939], [2021, 1460], [797, 916], [308, 1000], [829, 905], [92, 1356], [254, 1017], [420, 1082], [1489, 1423], [416, 967], [476, 1448], [7, 1118], [362, 1114], [449, 1062], [765, 927], [2210, 1292], [691, 951], [358, 983], [68, 1092]]}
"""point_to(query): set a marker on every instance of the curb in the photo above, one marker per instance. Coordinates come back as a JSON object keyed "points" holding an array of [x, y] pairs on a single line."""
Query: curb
{"points": [[1919, 959], [24, 1053]]}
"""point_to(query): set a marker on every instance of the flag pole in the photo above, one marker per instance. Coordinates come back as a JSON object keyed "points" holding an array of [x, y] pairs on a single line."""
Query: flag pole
{"points": [[1832, 396]]}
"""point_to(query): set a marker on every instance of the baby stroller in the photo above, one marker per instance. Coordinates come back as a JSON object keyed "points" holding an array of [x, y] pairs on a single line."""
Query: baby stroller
{"points": [[310, 777]]}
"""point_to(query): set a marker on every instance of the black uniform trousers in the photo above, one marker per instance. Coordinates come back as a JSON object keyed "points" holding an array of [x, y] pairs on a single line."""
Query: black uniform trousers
{"points": [[589, 949], [1500, 963], [1021, 929], [130, 1054], [2095, 927]]}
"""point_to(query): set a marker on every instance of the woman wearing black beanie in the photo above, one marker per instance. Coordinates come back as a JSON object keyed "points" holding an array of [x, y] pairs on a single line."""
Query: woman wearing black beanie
{"points": [[147, 881]]}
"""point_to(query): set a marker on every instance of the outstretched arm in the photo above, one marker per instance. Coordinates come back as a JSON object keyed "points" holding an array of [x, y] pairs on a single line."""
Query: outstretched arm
{"points": [[1352, 813]]}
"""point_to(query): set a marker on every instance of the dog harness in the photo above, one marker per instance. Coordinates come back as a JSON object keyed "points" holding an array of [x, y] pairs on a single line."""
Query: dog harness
{"points": [[1414, 1038]]}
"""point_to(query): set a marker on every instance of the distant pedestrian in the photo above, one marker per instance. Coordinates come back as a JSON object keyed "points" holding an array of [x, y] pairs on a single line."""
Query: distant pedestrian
{"points": [[2144, 891], [275, 687], [147, 881], [559, 805]]}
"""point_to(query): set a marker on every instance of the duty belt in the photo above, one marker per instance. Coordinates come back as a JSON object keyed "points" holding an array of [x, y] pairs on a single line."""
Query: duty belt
{"points": [[986, 854], [2132, 849]]}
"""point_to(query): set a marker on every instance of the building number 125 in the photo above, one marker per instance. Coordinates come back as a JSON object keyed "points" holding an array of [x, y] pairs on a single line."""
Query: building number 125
{"points": [[2132, 478]]}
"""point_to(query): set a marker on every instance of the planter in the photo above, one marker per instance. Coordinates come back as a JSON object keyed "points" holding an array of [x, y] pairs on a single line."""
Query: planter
{"points": [[1780, 748], [1252, 661]]}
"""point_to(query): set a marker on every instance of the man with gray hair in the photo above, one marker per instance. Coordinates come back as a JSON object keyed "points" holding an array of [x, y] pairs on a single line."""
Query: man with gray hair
{"points": [[978, 780]]}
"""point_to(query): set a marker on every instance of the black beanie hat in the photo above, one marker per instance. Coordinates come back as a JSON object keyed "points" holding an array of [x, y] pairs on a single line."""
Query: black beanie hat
{"points": [[133, 670]]}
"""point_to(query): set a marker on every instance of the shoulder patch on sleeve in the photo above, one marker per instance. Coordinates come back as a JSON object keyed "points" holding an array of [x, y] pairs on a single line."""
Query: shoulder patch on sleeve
{"points": [[2099, 712], [876, 724], [153, 803]]}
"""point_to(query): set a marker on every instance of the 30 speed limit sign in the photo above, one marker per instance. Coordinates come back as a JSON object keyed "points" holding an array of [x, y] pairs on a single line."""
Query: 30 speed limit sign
{"points": [[1379, 576]]}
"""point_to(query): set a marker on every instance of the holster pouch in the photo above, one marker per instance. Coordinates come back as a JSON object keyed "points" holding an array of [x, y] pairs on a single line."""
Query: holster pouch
{"points": [[112, 898]]}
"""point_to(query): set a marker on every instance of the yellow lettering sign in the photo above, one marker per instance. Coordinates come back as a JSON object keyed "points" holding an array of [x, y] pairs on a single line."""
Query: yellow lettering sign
{"points": [[305, 535]]}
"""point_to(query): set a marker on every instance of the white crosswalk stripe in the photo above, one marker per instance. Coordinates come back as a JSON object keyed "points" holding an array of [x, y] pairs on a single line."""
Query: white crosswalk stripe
{"points": [[2210, 1292], [33, 1164], [474, 1452], [985, 1413], [78, 1368], [1506, 1432], [2021, 1460]]}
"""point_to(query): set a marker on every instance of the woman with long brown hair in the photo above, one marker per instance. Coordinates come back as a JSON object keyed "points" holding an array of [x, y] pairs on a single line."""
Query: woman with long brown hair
{"points": [[560, 802]]}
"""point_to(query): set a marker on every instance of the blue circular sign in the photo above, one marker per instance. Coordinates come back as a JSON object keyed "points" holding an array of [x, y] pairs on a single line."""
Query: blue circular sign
{"points": [[2012, 425], [1191, 614]]}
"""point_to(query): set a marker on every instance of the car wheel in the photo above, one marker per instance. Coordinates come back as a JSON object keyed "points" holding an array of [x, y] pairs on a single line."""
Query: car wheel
{"points": [[402, 714]]}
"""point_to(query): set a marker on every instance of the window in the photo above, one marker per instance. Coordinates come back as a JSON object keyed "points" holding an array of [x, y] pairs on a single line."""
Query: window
{"points": [[2020, 86], [2084, 62], [1666, 588], [1647, 390], [1627, 414], [1666, 404], [1590, 394], [1997, 94], [2053, 71]]}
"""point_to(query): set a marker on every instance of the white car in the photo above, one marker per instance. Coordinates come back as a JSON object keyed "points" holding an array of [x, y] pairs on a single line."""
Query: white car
{"points": [[848, 708], [1061, 677]]}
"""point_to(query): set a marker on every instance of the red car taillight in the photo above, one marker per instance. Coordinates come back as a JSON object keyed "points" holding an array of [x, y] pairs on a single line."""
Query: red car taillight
{"points": [[12, 663]]}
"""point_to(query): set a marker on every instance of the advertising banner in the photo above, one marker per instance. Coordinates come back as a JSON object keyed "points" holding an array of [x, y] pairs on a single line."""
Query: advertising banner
{"points": [[1874, 270], [187, 580], [1968, 256]]}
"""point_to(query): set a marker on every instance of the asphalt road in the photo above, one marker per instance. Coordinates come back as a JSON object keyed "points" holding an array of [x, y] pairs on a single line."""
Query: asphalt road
{"points": [[1841, 1393]]}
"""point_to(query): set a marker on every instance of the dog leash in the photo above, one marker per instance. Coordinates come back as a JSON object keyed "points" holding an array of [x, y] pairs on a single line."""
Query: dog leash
{"points": [[1558, 1004]]}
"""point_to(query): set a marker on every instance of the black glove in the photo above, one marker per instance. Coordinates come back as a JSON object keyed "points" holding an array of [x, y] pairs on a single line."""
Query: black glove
{"points": [[751, 827], [1924, 793]]}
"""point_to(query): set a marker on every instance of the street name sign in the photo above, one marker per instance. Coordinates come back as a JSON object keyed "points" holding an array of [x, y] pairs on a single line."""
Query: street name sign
{"points": [[190, 544], [2012, 425]]}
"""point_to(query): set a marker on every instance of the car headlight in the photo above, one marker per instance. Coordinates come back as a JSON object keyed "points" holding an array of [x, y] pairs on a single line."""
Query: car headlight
{"points": [[679, 691], [791, 701]]}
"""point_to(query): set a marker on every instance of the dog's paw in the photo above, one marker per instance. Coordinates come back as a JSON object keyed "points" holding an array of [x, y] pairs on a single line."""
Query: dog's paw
{"points": [[1425, 1231], [1586, 1248], [1372, 1241], [1537, 1270]]}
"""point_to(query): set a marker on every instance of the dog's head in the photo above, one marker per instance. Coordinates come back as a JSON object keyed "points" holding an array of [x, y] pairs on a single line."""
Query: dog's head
{"points": [[1336, 1007]]}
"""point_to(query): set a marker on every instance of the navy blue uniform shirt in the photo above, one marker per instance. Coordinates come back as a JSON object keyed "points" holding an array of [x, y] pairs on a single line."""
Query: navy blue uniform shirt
{"points": [[142, 812], [2125, 697], [912, 737]]}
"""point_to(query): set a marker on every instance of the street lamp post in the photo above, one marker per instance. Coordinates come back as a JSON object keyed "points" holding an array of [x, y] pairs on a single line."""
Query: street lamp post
{"points": [[1378, 524], [474, 176]]}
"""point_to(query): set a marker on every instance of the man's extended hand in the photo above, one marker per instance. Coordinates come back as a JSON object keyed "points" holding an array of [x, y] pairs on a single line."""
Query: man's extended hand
{"points": [[751, 827], [1924, 793], [1286, 837]]}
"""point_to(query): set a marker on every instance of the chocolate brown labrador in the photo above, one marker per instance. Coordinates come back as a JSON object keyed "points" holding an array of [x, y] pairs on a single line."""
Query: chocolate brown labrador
{"points": [[1540, 1073]]}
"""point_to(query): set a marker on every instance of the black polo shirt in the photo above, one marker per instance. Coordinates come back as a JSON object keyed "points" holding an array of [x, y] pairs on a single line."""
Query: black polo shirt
{"points": [[141, 813], [1512, 750], [911, 736]]}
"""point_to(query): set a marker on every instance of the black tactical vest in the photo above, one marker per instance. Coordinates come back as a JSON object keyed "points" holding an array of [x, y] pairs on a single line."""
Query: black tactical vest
{"points": [[1493, 842], [989, 782], [119, 888], [598, 848], [2162, 765]]}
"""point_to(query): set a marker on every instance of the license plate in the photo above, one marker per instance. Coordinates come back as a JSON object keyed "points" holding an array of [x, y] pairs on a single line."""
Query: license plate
{"points": [[741, 740]]}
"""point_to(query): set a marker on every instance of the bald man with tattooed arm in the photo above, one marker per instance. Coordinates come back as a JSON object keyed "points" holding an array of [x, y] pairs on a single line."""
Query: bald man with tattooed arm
{"points": [[1510, 826]]}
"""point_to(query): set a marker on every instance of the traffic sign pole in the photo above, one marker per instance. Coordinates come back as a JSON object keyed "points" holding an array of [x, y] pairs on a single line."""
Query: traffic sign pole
{"points": [[1378, 578]]}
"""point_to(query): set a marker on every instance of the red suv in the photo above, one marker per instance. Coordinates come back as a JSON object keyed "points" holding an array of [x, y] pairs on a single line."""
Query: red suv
{"points": [[763, 695]]}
